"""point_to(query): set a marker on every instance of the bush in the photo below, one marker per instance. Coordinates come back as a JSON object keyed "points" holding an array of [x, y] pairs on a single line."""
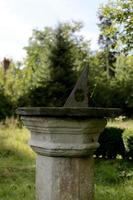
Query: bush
{"points": [[130, 147], [5, 106], [111, 143]]}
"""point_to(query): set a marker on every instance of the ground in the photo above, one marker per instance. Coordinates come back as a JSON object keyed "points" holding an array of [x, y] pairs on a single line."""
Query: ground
{"points": [[113, 178]]}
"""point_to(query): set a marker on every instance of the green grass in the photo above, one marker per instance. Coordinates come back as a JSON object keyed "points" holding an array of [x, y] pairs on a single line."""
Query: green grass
{"points": [[17, 165], [113, 179]]}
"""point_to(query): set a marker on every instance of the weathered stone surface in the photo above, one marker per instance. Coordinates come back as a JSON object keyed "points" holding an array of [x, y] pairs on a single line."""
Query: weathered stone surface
{"points": [[64, 140], [64, 137], [76, 112], [79, 94], [64, 147], [64, 178]]}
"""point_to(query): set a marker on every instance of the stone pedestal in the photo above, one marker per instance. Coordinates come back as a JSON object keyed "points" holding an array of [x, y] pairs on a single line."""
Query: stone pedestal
{"points": [[59, 178], [64, 147]]}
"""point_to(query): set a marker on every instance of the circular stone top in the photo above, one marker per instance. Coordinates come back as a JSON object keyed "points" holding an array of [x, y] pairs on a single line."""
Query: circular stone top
{"points": [[87, 112]]}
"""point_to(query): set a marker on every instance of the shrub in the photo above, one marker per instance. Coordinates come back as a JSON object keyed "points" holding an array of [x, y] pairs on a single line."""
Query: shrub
{"points": [[111, 143], [5, 106], [130, 147]]}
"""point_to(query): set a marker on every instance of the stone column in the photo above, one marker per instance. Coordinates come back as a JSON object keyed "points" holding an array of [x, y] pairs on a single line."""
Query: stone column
{"points": [[64, 164]]}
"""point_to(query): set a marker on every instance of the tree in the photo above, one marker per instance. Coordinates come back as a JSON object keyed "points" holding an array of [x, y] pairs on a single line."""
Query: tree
{"points": [[36, 62], [55, 59], [116, 37], [5, 101], [108, 38], [116, 25]]}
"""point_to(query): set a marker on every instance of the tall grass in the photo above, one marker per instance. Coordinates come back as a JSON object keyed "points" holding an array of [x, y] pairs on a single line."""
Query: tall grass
{"points": [[17, 164]]}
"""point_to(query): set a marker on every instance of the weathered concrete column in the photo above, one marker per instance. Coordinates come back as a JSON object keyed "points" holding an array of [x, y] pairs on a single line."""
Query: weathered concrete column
{"points": [[64, 147]]}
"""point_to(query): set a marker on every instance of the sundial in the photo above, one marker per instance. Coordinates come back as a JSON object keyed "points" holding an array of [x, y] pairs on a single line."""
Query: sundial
{"points": [[64, 139], [79, 95]]}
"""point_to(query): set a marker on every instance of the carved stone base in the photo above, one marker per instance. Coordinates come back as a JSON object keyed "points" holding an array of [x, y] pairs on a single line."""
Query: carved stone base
{"points": [[64, 147]]}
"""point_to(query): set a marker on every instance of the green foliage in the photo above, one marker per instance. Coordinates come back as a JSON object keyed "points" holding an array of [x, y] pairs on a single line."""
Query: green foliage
{"points": [[55, 57], [129, 144], [130, 147], [36, 61], [114, 92], [108, 39], [113, 180], [116, 32], [66, 53], [12, 87], [117, 24], [17, 166], [124, 75], [5, 105]]}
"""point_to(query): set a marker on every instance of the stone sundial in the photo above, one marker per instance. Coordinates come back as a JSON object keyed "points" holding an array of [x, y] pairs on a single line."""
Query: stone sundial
{"points": [[79, 95], [64, 139]]}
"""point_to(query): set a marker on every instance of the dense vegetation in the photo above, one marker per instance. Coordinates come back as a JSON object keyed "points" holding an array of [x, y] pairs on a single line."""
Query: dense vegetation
{"points": [[17, 165], [56, 56]]}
